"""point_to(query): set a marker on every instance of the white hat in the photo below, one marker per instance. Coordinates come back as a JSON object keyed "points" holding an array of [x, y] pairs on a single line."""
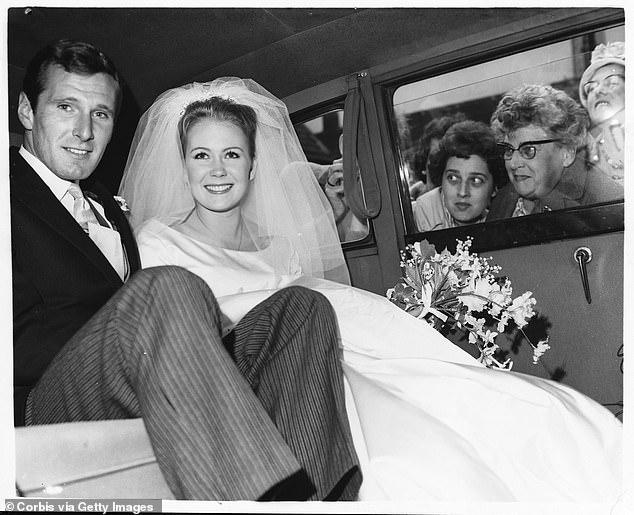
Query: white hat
{"points": [[602, 55]]}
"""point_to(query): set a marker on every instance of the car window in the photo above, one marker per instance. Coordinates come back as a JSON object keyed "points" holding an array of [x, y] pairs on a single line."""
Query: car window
{"points": [[434, 193], [320, 137]]}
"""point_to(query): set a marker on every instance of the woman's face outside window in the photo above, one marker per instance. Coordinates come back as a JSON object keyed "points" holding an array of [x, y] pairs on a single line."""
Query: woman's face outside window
{"points": [[535, 178], [467, 188], [606, 93]]}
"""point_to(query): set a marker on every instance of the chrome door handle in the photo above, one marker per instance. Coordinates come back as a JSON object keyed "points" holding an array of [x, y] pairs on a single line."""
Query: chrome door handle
{"points": [[583, 256]]}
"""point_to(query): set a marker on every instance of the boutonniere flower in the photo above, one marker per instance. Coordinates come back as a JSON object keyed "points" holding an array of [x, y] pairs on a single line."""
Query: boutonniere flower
{"points": [[467, 291], [123, 205]]}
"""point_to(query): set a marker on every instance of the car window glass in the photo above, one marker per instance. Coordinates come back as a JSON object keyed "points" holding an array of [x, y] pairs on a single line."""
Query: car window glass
{"points": [[472, 93], [320, 138]]}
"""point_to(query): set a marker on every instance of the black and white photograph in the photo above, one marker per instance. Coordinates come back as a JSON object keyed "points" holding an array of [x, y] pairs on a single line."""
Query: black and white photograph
{"points": [[316, 258]]}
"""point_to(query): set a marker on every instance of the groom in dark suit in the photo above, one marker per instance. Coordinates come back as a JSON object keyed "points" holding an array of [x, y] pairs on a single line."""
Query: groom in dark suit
{"points": [[258, 414]]}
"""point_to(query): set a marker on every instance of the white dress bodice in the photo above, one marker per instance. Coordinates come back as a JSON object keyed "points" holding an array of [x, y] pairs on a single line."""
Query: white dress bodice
{"points": [[226, 271]]}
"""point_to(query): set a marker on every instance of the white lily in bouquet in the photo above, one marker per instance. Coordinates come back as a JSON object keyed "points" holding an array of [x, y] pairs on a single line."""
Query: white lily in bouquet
{"points": [[465, 290]]}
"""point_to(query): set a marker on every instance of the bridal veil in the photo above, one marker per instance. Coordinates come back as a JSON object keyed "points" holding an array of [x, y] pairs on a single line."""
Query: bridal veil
{"points": [[284, 200]]}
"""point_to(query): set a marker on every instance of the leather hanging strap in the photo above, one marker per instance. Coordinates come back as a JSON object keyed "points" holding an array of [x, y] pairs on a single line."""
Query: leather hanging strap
{"points": [[361, 187]]}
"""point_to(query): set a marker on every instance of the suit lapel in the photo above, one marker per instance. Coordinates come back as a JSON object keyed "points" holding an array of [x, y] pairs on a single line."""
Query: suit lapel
{"points": [[28, 189]]}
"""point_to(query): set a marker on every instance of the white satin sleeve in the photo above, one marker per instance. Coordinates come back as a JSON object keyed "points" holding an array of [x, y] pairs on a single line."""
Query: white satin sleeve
{"points": [[154, 249]]}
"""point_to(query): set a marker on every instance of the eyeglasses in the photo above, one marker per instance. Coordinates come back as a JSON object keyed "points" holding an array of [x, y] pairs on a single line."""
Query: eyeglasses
{"points": [[613, 81], [527, 150]]}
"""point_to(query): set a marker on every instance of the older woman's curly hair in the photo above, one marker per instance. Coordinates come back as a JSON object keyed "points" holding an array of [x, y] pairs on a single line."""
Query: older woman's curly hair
{"points": [[464, 139], [543, 106]]}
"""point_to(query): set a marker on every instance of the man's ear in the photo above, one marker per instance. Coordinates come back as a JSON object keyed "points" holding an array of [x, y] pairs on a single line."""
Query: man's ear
{"points": [[25, 112]]}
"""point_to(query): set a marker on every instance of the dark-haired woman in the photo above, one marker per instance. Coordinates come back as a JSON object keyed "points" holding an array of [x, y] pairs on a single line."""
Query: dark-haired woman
{"points": [[469, 169]]}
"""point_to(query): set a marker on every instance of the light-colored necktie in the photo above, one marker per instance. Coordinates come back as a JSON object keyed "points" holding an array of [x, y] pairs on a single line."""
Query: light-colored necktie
{"points": [[81, 208], [107, 239]]}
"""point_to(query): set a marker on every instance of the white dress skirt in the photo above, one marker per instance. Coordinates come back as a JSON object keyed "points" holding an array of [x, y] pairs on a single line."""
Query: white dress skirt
{"points": [[429, 422]]}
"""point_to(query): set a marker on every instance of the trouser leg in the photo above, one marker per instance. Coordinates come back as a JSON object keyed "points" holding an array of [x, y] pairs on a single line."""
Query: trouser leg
{"points": [[288, 350], [155, 351]]}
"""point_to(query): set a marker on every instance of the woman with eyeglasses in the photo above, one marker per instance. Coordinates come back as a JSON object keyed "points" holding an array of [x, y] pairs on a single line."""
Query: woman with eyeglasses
{"points": [[542, 133], [602, 93]]}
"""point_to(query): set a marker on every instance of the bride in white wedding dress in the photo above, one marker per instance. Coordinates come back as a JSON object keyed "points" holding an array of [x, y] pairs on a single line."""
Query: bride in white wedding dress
{"points": [[230, 197]]}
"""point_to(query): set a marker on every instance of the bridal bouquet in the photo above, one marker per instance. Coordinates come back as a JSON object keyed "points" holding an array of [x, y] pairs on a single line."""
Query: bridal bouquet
{"points": [[466, 290]]}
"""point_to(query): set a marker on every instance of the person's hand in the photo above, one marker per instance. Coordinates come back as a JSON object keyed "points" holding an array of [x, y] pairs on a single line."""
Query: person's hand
{"points": [[334, 179], [333, 188], [334, 183], [321, 172]]}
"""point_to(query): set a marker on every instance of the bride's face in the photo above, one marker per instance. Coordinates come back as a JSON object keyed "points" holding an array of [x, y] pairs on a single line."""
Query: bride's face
{"points": [[218, 164]]}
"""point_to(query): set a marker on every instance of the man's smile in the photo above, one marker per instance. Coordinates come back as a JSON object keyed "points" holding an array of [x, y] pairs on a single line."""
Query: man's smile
{"points": [[77, 151]]}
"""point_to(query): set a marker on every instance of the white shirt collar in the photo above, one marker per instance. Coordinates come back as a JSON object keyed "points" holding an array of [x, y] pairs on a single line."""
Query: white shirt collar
{"points": [[58, 186]]}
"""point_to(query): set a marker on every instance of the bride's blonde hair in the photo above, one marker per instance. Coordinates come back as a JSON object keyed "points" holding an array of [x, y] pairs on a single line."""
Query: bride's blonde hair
{"points": [[220, 109]]}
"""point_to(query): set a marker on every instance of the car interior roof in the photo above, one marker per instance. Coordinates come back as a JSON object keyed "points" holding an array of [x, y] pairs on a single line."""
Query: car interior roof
{"points": [[159, 48]]}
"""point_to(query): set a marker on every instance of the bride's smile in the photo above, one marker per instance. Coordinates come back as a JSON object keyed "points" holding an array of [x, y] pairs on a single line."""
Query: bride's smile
{"points": [[218, 164], [218, 188]]}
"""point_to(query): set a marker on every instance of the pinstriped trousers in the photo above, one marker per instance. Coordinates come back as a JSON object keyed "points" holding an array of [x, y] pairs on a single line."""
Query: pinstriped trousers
{"points": [[222, 427]]}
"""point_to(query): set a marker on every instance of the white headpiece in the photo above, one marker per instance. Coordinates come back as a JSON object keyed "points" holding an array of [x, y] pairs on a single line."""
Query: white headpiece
{"points": [[285, 198]]}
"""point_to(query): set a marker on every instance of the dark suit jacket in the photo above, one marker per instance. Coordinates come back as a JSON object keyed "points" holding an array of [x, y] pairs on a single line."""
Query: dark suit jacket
{"points": [[60, 277]]}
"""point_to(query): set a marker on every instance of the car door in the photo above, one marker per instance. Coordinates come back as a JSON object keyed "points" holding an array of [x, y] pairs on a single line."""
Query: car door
{"points": [[551, 254], [540, 252]]}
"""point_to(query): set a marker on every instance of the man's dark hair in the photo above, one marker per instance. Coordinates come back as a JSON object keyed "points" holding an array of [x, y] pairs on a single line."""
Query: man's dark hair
{"points": [[74, 57]]}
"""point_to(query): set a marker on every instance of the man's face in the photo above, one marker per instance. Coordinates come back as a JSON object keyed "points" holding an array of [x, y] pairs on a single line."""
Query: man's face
{"points": [[73, 122]]}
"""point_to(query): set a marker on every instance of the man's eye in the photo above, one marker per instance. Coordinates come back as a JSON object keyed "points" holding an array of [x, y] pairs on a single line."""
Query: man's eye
{"points": [[64, 107], [102, 114]]}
